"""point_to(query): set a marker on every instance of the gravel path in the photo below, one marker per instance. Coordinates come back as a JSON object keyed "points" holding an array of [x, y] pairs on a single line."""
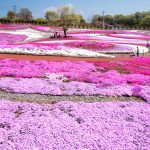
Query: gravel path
{"points": [[53, 99]]}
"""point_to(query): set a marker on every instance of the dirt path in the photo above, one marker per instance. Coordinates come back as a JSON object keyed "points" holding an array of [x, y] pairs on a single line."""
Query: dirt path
{"points": [[38, 98], [59, 58]]}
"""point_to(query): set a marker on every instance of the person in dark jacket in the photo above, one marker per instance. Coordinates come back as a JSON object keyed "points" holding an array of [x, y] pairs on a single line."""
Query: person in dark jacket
{"points": [[138, 51], [148, 43]]}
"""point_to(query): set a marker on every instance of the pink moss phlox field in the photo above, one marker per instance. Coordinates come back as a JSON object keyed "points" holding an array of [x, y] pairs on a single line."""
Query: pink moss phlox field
{"points": [[142, 91], [107, 84], [94, 46], [97, 40], [13, 26], [41, 28], [46, 28], [106, 32], [7, 38], [118, 78], [91, 45], [24, 68], [139, 65], [56, 84], [25, 26], [64, 125], [132, 36]]}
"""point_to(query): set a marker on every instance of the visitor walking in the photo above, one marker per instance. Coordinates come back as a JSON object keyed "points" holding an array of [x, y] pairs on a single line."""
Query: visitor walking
{"points": [[148, 43], [138, 51]]}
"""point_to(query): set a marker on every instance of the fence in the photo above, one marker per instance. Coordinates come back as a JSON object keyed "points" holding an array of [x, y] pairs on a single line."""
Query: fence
{"points": [[81, 26]]}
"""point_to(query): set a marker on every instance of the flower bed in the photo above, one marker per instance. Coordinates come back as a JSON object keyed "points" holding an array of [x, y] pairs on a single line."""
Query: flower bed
{"points": [[31, 34], [60, 51], [24, 68], [139, 65], [91, 45], [46, 28], [130, 36], [13, 26], [64, 125], [7, 38], [76, 78], [82, 41], [57, 84]]}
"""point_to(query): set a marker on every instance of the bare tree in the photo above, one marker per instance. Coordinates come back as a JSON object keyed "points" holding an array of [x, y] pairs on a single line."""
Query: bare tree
{"points": [[25, 14]]}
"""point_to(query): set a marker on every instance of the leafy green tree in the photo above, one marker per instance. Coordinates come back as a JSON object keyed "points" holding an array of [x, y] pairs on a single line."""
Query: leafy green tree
{"points": [[64, 17], [119, 19], [97, 20], [146, 21], [51, 15], [82, 20], [11, 15], [39, 21], [109, 19], [68, 20]]}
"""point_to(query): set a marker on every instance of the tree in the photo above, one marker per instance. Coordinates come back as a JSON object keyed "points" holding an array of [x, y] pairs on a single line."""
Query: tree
{"points": [[39, 21], [146, 21], [82, 20], [97, 20], [25, 14], [138, 17], [130, 21], [64, 17], [51, 15], [11, 15], [69, 20], [119, 19], [109, 20]]}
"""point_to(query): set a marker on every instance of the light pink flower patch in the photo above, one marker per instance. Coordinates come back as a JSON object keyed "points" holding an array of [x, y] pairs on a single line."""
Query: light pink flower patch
{"points": [[13, 26], [74, 126], [131, 36], [92, 45]]}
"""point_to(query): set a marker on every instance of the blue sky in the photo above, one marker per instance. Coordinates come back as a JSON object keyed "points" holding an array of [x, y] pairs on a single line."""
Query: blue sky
{"points": [[86, 7]]}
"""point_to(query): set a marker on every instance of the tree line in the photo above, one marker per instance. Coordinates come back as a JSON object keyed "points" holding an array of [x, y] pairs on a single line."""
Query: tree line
{"points": [[136, 20], [66, 17]]}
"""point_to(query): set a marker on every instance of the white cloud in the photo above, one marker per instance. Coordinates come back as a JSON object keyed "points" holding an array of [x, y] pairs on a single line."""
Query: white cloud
{"points": [[54, 8], [43, 11], [48, 9], [70, 5]]}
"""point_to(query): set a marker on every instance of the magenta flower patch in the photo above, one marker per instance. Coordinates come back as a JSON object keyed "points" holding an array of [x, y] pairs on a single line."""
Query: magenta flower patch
{"points": [[77, 78], [7, 38]]}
